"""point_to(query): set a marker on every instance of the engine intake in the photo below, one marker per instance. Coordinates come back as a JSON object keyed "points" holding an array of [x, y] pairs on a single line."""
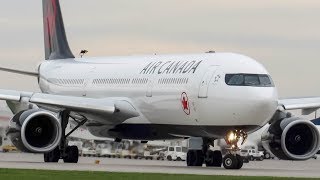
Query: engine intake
{"points": [[292, 139], [36, 131]]}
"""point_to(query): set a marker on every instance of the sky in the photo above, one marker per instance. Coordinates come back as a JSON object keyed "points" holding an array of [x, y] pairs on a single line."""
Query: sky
{"points": [[282, 35]]}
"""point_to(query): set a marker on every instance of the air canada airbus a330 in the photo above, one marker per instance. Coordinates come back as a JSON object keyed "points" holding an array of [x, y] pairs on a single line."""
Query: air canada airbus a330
{"points": [[209, 95]]}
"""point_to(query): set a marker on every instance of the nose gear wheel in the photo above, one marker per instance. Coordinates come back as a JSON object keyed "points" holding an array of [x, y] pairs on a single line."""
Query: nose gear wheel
{"points": [[231, 161]]}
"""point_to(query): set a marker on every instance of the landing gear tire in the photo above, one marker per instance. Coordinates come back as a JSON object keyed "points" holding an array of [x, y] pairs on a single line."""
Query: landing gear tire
{"points": [[232, 161], [191, 157], [217, 156], [195, 158], [52, 156], [213, 159], [71, 154], [199, 158], [209, 159], [240, 161], [267, 156]]}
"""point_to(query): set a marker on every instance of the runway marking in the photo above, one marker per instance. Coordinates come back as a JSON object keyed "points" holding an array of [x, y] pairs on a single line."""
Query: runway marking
{"points": [[264, 168]]}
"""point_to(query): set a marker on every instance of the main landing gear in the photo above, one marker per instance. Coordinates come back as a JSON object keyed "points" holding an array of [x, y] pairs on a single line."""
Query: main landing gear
{"points": [[204, 156], [231, 160], [69, 154]]}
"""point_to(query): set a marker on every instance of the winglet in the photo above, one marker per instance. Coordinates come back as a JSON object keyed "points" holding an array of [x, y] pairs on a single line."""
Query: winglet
{"points": [[55, 40]]}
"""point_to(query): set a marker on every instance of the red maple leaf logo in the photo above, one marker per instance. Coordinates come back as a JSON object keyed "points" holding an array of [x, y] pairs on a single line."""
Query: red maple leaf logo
{"points": [[185, 103]]}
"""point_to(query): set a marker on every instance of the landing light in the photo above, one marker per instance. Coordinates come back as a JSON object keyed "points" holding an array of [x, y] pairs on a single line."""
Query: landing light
{"points": [[232, 138]]}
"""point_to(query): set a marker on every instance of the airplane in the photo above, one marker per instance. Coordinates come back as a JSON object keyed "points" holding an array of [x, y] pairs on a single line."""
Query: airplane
{"points": [[208, 95]]}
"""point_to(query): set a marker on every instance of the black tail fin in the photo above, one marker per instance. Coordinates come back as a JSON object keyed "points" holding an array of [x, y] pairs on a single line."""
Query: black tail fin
{"points": [[55, 40]]}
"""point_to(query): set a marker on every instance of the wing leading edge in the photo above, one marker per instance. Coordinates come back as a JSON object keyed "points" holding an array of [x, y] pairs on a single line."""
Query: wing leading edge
{"points": [[307, 105], [17, 71], [105, 110]]}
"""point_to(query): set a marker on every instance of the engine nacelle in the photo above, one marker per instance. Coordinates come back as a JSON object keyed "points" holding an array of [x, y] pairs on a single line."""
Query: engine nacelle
{"points": [[292, 139], [35, 130]]}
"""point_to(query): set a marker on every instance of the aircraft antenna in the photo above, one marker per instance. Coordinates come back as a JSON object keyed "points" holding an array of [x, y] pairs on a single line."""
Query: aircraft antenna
{"points": [[83, 52]]}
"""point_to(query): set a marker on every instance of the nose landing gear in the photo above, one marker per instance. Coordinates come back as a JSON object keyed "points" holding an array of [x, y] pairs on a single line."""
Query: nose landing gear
{"points": [[233, 160]]}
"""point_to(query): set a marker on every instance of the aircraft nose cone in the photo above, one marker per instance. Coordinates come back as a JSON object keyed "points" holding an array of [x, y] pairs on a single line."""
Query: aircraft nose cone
{"points": [[264, 105], [239, 106]]}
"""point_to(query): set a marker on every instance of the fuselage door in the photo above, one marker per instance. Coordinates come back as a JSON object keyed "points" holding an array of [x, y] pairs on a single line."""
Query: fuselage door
{"points": [[204, 85], [88, 79], [149, 88]]}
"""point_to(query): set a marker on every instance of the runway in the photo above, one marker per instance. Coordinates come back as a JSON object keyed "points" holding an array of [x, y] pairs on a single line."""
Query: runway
{"points": [[310, 168]]}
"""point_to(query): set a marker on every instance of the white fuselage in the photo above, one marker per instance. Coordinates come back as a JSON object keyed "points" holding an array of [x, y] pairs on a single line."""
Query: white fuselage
{"points": [[176, 90]]}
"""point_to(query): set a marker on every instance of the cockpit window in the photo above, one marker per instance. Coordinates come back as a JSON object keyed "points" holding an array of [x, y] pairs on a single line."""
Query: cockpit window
{"points": [[257, 80], [265, 81], [236, 79], [251, 80]]}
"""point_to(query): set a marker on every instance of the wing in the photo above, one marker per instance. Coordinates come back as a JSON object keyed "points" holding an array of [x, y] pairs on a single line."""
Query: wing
{"points": [[23, 72], [105, 110], [307, 105]]}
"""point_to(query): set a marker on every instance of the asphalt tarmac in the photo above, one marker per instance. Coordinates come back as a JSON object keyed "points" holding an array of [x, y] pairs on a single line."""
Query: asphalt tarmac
{"points": [[310, 168]]}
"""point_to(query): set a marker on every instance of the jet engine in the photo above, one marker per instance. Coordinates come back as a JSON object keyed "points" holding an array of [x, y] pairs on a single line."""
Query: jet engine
{"points": [[292, 139], [35, 130]]}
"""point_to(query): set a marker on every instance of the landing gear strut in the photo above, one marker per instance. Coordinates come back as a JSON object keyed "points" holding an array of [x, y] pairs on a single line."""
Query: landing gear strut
{"points": [[69, 154], [199, 157]]}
